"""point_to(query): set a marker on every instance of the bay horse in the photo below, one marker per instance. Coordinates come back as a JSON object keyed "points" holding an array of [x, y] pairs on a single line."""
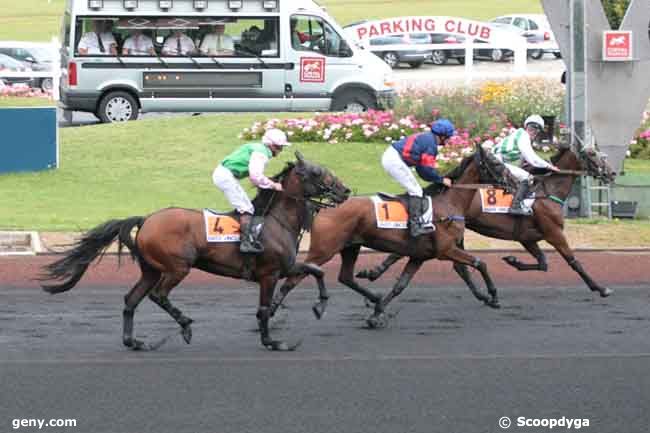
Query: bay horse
{"points": [[546, 222], [171, 241], [350, 226]]}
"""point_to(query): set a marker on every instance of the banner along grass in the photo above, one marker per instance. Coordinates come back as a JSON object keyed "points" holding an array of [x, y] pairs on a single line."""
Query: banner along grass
{"points": [[39, 20]]}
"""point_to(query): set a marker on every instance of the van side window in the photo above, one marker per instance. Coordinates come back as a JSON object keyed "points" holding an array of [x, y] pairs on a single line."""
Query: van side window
{"points": [[310, 33]]}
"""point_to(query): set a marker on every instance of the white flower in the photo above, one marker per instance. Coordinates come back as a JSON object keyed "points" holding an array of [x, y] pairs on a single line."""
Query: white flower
{"points": [[628, 153], [289, 133], [389, 139]]}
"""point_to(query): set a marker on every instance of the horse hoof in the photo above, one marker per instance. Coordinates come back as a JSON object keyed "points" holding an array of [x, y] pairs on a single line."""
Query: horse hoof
{"points": [[377, 321], [281, 346], [362, 274], [493, 303], [511, 260], [318, 310], [186, 332], [134, 344], [606, 292]]}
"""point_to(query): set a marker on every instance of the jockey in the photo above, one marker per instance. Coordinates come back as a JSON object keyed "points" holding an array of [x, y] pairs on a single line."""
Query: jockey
{"points": [[419, 151], [249, 160], [515, 149]]}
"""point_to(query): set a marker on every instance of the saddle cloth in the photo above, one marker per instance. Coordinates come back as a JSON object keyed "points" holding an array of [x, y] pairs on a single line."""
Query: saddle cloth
{"points": [[220, 227], [391, 212], [496, 200]]}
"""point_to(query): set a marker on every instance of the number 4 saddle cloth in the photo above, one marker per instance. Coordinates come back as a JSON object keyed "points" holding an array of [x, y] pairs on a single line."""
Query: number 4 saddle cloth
{"points": [[391, 211], [220, 226], [496, 200]]}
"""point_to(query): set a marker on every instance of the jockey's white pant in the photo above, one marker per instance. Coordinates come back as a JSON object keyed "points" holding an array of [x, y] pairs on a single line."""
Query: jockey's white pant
{"points": [[397, 168], [226, 182], [518, 172]]}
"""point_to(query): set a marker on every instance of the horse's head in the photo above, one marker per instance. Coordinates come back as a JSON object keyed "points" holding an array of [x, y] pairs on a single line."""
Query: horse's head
{"points": [[319, 183], [596, 165]]}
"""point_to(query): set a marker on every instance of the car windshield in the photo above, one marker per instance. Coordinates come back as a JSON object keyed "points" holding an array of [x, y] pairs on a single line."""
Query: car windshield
{"points": [[42, 54], [7, 62]]}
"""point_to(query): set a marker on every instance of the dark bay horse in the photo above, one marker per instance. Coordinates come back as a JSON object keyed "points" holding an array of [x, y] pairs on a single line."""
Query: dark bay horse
{"points": [[350, 226], [546, 222], [171, 241]]}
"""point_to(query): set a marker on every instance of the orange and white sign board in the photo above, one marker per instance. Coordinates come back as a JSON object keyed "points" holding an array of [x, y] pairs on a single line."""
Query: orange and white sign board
{"points": [[220, 228], [617, 45], [393, 214]]}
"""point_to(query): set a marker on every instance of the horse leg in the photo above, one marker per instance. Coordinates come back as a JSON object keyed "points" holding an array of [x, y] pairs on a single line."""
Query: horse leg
{"points": [[536, 252], [288, 285], [160, 296], [560, 243], [267, 287], [349, 257], [149, 279], [302, 269], [464, 274], [462, 257], [373, 273], [378, 318]]}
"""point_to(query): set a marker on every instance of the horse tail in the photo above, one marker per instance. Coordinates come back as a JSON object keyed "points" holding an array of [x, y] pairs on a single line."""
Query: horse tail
{"points": [[92, 245]]}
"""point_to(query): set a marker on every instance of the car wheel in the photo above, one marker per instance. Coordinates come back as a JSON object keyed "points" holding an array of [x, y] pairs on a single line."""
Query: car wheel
{"points": [[558, 55], [416, 65], [536, 54], [118, 107], [460, 60], [47, 84], [391, 58], [496, 55], [439, 57], [353, 101]]}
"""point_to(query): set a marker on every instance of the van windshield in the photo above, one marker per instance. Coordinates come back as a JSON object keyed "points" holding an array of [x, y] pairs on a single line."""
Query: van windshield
{"points": [[177, 36]]}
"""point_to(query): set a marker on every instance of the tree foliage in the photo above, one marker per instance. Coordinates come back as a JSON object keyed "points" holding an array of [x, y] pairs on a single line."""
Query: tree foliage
{"points": [[615, 10]]}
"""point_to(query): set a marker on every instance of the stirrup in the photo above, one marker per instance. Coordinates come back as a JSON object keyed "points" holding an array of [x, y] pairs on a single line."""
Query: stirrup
{"points": [[519, 211]]}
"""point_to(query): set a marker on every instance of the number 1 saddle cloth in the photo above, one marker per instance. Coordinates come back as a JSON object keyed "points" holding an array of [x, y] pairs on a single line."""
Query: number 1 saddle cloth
{"points": [[220, 226], [391, 211], [496, 200]]}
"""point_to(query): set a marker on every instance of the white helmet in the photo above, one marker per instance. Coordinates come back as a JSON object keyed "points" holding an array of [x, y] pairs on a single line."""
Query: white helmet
{"points": [[275, 137], [535, 120]]}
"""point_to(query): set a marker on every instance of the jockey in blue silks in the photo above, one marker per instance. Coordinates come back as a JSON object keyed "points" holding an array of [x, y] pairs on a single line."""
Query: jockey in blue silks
{"points": [[419, 151]]}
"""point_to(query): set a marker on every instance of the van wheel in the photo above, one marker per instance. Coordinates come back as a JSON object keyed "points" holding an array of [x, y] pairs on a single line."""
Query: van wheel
{"points": [[460, 60], [536, 54], [391, 58], [118, 107], [558, 55], [353, 101]]}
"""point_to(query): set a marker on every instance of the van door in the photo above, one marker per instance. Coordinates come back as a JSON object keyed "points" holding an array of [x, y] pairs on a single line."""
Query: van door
{"points": [[321, 59]]}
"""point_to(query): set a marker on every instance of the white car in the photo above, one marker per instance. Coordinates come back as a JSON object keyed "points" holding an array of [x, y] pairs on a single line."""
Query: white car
{"points": [[536, 29]]}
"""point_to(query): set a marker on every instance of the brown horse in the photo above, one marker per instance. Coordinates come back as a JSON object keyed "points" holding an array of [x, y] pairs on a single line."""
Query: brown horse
{"points": [[546, 222], [352, 225], [171, 241]]}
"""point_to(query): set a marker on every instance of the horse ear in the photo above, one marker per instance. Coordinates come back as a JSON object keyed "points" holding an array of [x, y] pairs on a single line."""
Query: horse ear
{"points": [[299, 157]]}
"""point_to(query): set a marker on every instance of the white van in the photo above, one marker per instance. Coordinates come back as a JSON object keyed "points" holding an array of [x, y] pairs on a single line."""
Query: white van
{"points": [[122, 57]]}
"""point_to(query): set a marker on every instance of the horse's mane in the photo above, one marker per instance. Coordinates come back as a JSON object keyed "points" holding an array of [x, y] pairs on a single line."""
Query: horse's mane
{"points": [[454, 174], [264, 196], [558, 155]]}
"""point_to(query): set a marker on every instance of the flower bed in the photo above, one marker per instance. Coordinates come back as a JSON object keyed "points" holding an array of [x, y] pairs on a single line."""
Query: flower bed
{"points": [[489, 112]]}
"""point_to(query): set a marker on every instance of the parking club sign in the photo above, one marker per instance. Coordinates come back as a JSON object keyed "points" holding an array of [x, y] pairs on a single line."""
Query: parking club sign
{"points": [[617, 45]]}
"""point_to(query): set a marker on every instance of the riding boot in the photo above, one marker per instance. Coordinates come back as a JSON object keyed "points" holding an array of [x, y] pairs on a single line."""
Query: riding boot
{"points": [[416, 216], [248, 241], [517, 202]]}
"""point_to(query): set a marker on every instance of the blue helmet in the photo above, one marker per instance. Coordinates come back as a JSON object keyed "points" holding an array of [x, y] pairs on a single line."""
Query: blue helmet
{"points": [[443, 127]]}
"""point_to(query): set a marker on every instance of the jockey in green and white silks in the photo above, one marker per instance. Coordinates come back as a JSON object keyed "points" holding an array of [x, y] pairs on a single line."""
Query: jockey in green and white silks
{"points": [[517, 148], [249, 160]]}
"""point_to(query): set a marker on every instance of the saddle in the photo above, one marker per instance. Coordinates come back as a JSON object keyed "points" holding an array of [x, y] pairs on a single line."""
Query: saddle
{"points": [[401, 198]]}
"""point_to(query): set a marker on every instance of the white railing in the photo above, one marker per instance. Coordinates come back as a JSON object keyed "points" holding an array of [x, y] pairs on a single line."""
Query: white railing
{"points": [[54, 73]]}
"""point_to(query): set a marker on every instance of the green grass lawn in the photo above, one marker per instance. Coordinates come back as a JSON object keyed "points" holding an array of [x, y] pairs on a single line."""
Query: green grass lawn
{"points": [[119, 170], [39, 20], [25, 102]]}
